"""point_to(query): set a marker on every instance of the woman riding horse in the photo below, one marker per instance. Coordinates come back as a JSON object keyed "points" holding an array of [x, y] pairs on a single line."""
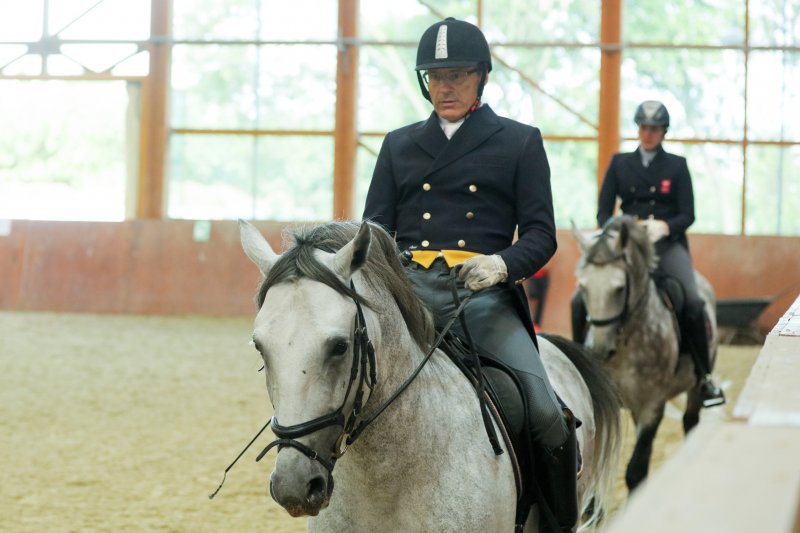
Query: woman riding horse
{"points": [[656, 188]]}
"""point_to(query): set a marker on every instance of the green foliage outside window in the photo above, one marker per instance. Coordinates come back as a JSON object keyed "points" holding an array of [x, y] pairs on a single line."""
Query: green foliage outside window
{"points": [[253, 89]]}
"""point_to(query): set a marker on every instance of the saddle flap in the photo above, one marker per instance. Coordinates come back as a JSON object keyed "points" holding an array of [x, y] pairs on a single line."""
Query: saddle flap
{"points": [[672, 293], [507, 395]]}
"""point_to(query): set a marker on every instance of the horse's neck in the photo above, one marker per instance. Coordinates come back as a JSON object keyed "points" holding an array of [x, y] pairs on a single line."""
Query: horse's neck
{"points": [[650, 324], [435, 405], [651, 309], [415, 447]]}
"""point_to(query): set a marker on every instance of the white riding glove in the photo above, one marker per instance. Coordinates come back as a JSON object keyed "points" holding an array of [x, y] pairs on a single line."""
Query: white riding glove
{"points": [[483, 271], [656, 229]]}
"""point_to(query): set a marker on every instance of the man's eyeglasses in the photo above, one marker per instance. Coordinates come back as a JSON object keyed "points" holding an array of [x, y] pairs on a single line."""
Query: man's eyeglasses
{"points": [[450, 76]]}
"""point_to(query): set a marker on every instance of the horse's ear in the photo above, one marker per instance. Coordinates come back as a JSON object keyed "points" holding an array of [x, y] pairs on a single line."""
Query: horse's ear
{"points": [[256, 246], [353, 255], [582, 241]]}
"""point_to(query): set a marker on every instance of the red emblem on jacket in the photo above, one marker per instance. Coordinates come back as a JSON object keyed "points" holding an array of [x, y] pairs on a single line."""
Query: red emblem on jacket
{"points": [[666, 184]]}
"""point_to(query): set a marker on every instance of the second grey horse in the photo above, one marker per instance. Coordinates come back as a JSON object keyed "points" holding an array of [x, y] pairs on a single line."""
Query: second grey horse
{"points": [[635, 333]]}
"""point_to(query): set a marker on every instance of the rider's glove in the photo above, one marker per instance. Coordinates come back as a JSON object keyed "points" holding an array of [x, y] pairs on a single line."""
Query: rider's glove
{"points": [[656, 229], [483, 271]]}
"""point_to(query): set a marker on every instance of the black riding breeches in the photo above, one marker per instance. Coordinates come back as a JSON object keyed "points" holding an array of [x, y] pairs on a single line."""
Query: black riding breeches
{"points": [[497, 328]]}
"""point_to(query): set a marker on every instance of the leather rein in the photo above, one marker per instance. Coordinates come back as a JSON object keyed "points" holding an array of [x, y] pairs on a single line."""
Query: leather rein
{"points": [[362, 369]]}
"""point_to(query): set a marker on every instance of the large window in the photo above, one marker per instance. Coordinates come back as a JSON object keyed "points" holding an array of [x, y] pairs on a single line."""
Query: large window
{"points": [[249, 101], [252, 110], [70, 85], [732, 97]]}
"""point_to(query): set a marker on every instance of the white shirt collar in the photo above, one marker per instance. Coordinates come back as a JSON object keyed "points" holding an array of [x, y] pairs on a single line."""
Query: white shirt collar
{"points": [[449, 128]]}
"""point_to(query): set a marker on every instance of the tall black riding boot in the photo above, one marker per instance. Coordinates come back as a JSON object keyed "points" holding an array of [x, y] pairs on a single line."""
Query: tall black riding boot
{"points": [[578, 318], [557, 471], [710, 394]]}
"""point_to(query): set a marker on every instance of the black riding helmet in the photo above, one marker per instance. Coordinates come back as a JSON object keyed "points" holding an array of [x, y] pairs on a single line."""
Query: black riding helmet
{"points": [[453, 43], [652, 113]]}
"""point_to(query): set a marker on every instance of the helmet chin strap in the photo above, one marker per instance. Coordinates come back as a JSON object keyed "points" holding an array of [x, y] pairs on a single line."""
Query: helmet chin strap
{"points": [[474, 106], [477, 102], [422, 88]]}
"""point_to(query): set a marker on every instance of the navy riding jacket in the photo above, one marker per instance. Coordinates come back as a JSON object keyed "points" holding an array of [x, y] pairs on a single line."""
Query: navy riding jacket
{"points": [[471, 192], [662, 190]]}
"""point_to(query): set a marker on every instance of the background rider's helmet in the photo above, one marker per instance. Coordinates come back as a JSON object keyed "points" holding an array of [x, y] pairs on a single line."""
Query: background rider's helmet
{"points": [[652, 113], [452, 43]]}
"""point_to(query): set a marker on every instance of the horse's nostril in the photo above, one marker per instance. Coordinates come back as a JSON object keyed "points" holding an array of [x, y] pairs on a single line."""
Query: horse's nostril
{"points": [[316, 490]]}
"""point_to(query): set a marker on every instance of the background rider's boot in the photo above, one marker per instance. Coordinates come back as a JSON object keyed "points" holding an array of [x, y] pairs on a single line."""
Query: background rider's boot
{"points": [[710, 394], [557, 471]]}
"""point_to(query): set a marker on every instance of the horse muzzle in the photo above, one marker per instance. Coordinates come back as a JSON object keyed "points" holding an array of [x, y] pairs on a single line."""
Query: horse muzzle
{"points": [[301, 486]]}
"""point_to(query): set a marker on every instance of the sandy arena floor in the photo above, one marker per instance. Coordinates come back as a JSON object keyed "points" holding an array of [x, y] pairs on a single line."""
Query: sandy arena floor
{"points": [[126, 423]]}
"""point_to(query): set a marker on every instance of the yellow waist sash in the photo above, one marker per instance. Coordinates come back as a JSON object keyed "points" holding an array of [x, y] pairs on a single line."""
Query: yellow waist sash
{"points": [[451, 257]]}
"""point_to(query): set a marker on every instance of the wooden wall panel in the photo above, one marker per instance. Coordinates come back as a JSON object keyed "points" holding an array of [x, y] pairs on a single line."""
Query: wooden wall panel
{"points": [[156, 267], [737, 267]]}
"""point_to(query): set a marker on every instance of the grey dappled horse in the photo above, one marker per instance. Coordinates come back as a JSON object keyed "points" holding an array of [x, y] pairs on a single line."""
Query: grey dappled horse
{"points": [[425, 463], [635, 334]]}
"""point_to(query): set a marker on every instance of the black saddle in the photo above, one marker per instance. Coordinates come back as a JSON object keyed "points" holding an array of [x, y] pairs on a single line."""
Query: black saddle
{"points": [[503, 394], [672, 293]]}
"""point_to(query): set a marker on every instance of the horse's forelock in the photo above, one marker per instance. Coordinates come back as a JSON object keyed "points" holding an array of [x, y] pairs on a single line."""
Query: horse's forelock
{"points": [[642, 259], [382, 268]]}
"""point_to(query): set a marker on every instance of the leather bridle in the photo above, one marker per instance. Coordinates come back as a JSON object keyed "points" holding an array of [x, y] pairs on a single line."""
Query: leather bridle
{"points": [[627, 310], [362, 369]]}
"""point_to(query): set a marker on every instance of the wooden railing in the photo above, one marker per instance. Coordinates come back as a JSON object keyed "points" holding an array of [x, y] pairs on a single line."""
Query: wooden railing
{"points": [[741, 475]]}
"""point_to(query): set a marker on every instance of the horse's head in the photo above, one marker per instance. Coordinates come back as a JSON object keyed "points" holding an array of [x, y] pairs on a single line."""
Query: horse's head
{"points": [[613, 276], [321, 310]]}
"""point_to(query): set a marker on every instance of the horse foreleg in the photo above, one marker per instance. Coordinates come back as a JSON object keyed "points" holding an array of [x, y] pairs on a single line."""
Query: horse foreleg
{"points": [[646, 428], [693, 404]]}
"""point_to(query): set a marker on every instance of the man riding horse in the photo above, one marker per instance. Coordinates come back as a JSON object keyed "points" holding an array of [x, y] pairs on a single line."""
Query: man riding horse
{"points": [[452, 190], [655, 187]]}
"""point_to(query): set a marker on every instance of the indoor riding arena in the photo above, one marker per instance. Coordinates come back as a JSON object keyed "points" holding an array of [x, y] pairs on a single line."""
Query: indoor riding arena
{"points": [[138, 134]]}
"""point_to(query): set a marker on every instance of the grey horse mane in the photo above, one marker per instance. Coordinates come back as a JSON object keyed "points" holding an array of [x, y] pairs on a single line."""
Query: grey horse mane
{"points": [[382, 268], [642, 260]]}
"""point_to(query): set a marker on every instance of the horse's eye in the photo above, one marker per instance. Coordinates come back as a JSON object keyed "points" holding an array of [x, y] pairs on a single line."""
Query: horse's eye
{"points": [[339, 348]]}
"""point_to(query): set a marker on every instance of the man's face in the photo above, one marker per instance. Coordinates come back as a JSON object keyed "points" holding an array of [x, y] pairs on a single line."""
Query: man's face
{"points": [[453, 90], [650, 136]]}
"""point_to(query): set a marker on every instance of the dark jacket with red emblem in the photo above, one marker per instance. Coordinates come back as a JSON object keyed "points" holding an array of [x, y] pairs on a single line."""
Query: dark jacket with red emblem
{"points": [[662, 190], [468, 193]]}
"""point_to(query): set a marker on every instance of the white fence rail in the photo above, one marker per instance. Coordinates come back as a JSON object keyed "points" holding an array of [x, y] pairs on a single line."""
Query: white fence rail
{"points": [[741, 475]]}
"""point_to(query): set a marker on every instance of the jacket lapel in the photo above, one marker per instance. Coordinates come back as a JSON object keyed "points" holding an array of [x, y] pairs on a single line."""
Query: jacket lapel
{"points": [[634, 162], [430, 137], [481, 125], [658, 161]]}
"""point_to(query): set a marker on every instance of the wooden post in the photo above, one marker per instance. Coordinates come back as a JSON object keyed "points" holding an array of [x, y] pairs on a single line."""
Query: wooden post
{"points": [[346, 134], [153, 135], [610, 66]]}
